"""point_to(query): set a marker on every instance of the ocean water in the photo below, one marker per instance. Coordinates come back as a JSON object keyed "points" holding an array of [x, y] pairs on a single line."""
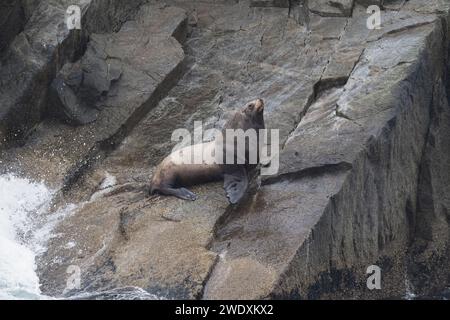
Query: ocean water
{"points": [[22, 235]]}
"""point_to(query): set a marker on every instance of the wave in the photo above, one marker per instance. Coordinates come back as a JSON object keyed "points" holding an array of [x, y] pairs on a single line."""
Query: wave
{"points": [[23, 205]]}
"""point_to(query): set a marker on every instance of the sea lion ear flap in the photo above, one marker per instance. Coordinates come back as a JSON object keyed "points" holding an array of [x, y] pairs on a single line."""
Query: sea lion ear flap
{"points": [[235, 183]]}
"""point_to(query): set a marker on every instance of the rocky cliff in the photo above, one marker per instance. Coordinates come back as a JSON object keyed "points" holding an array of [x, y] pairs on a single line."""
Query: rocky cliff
{"points": [[364, 125]]}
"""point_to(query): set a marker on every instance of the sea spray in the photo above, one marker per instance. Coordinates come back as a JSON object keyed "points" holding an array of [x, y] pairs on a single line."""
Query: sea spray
{"points": [[27, 222], [22, 202]]}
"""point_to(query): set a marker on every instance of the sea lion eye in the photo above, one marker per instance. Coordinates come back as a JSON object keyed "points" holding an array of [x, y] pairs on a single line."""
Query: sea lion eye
{"points": [[251, 106]]}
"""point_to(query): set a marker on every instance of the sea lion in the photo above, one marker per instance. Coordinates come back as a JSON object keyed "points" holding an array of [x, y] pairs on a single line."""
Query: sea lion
{"points": [[172, 175]]}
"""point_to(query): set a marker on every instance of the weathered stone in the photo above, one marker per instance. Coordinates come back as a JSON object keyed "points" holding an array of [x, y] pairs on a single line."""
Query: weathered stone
{"points": [[363, 119], [27, 68], [12, 20], [270, 3], [112, 254], [331, 8], [124, 75], [269, 222], [30, 62], [430, 218], [64, 99]]}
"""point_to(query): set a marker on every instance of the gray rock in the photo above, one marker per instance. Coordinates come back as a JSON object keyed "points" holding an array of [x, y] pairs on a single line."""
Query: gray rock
{"points": [[12, 20], [79, 88], [64, 97], [124, 75], [26, 66], [30, 62], [363, 119], [430, 216], [332, 8], [270, 3]]}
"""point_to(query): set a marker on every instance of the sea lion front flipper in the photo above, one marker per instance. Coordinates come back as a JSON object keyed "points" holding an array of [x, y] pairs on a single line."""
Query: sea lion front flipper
{"points": [[186, 194], [235, 183], [181, 193]]}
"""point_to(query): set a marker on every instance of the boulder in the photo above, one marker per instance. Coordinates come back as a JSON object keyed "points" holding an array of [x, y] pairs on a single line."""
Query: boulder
{"points": [[119, 79], [30, 62], [327, 8], [12, 20], [64, 98]]}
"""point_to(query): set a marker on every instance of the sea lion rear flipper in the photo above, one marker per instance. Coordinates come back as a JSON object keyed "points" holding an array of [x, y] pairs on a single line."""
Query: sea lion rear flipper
{"points": [[235, 183]]}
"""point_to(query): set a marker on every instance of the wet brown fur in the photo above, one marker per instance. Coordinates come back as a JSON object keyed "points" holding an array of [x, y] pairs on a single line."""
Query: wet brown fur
{"points": [[169, 176]]}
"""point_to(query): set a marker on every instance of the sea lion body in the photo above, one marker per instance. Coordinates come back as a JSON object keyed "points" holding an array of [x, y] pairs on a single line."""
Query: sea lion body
{"points": [[174, 173], [173, 170]]}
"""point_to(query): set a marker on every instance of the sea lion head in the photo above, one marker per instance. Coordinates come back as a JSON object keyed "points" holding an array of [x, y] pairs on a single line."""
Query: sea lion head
{"points": [[251, 116], [255, 110]]}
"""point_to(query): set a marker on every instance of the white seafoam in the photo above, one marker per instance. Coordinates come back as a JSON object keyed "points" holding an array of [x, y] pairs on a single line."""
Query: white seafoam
{"points": [[22, 204]]}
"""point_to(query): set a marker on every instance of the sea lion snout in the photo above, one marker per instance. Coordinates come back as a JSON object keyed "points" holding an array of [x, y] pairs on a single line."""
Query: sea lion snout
{"points": [[259, 105]]}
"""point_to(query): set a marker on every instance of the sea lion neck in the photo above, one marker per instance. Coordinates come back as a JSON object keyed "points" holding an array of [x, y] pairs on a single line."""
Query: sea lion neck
{"points": [[258, 120]]}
